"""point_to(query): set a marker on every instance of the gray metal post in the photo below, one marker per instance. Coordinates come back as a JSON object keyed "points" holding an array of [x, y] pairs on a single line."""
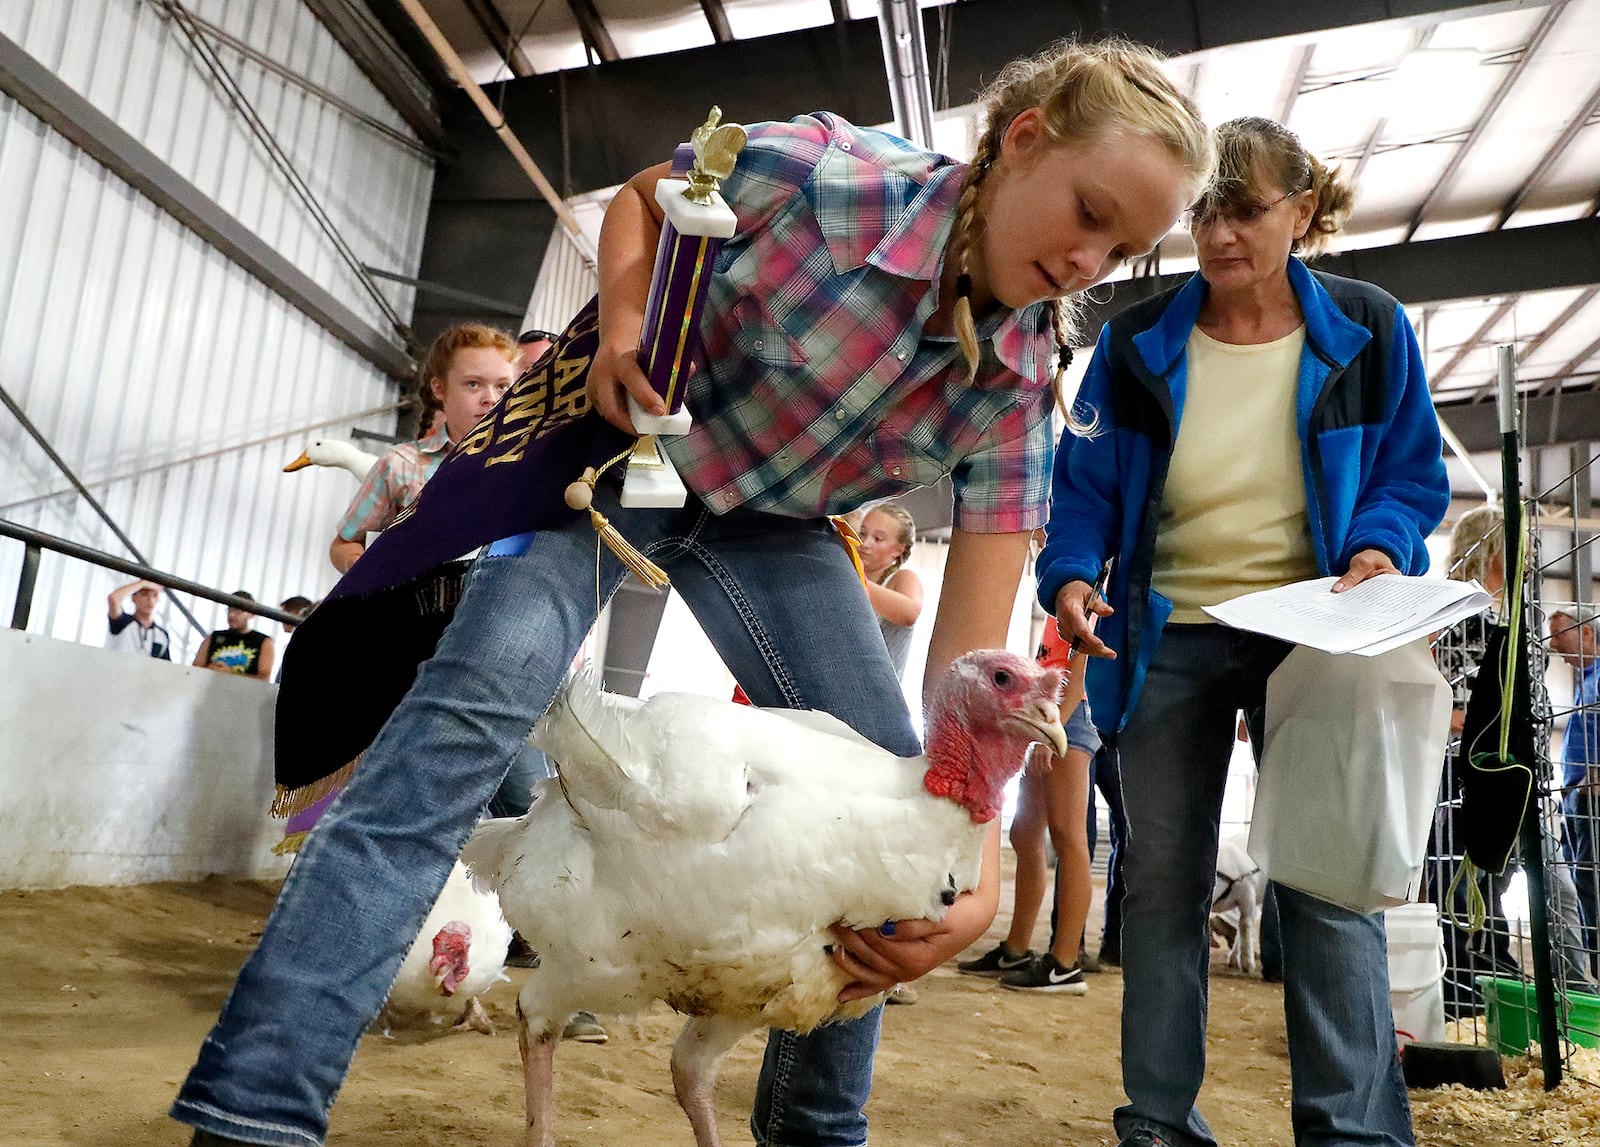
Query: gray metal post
{"points": [[1582, 511], [25, 583], [1532, 832], [905, 59]]}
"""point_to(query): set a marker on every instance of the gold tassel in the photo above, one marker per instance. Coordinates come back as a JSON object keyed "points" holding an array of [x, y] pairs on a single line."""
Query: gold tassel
{"points": [[287, 802], [580, 496], [290, 844]]}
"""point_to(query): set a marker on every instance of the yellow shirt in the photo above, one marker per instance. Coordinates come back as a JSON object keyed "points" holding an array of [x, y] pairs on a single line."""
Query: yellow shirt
{"points": [[1233, 515]]}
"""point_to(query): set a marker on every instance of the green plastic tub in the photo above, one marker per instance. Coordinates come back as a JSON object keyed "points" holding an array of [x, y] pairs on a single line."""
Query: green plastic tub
{"points": [[1512, 1012]]}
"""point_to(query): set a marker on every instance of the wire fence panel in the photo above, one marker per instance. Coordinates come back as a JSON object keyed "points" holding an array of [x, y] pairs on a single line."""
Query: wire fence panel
{"points": [[1489, 983]]}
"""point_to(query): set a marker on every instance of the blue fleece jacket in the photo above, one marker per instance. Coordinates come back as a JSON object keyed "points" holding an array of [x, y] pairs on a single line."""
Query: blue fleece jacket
{"points": [[1369, 447]]}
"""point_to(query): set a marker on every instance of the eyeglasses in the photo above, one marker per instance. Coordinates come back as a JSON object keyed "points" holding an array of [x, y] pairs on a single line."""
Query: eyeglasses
{"points": [[1244, 215]]}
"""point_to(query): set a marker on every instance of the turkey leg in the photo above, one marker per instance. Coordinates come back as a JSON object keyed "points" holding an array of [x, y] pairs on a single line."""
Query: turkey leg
{"points": [[696, 1058], [538, 1048]]}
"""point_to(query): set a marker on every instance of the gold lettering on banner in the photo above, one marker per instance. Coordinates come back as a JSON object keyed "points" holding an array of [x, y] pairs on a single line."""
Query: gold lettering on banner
{"points": [[529, 405], [477, 441], [509, 447], [571, 397], [562, 397]]}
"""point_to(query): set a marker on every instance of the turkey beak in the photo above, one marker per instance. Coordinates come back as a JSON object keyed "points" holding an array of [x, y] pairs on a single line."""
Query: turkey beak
{"points": [[299, 463], [1041, 721]]}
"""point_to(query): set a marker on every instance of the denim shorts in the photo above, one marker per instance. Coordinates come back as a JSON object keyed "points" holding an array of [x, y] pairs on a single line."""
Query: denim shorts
{"points": [[1080, 733]]}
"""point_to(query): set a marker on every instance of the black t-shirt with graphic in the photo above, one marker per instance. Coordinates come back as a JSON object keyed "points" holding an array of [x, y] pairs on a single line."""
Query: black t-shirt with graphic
{"points": [[238, 652]]}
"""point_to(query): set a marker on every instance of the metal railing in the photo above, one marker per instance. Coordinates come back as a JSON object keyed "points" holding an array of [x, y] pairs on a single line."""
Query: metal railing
{"points": [[37, 541]]}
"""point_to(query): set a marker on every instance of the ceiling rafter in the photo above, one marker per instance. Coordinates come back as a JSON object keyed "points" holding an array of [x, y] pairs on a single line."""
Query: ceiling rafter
{"points": [[1572, 365], [1447, 177], [1473, 342], [1549, 159], [596, 37], [1584, 298], [1367, 150], [499, 35], [717, 17], [1297, 81]]}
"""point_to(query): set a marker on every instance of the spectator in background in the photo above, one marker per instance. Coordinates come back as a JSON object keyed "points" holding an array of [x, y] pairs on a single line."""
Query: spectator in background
{"points": [[1575, 635], [887, 534], [1054, 797], [298, 605], [466, 370], [531, 345], [238, 649], [137, 632]]}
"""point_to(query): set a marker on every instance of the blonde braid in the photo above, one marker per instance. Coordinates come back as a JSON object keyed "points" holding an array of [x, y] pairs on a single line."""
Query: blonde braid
{"points": [[968, 226]]}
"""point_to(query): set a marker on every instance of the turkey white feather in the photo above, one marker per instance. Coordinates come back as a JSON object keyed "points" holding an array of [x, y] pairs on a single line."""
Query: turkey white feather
{"points": [[459, 953], [696, 851]]}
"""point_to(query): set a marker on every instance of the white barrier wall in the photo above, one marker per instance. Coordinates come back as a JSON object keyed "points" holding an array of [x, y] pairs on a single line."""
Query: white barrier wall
{"points": [[117, 769]]}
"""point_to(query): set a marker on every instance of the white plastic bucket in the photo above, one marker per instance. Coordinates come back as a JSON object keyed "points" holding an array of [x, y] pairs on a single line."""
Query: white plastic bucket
{"points": [[1416, 972]]}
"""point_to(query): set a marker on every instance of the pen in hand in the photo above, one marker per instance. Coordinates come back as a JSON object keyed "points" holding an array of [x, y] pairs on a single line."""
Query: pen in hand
{"points": [[1097, 593]]}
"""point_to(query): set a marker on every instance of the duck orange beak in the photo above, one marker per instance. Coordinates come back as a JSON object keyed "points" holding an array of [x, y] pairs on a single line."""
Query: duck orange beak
{"points": [[299, 463]]}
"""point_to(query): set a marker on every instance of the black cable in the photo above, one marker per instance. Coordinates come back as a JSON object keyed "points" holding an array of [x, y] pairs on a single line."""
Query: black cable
{"points": [[281, 160]]}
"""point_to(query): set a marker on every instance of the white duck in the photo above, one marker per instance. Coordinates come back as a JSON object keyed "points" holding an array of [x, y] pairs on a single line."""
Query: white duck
{"points": [[459, 953], [334, 452], [696, 851]]}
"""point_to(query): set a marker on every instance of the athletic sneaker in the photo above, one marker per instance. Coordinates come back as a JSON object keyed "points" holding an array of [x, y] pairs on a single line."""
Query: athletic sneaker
{"points": [[584, 1028], [1046, 974], [995, 962]]}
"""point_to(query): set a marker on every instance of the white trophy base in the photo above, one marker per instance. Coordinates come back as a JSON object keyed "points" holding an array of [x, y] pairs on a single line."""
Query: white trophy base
{"points": [[678, 423], [655, 486]]}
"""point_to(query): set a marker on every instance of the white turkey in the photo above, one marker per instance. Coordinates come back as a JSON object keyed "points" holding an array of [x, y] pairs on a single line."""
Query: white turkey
{"points": [[459, 954], [696, 851]]}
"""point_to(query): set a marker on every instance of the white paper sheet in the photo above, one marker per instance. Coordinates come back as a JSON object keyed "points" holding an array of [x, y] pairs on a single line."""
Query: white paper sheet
{"points": [[1378, 615]]}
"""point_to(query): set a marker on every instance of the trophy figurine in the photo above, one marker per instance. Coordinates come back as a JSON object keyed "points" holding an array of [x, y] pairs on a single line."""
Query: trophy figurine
{"points": [[697, 221]]}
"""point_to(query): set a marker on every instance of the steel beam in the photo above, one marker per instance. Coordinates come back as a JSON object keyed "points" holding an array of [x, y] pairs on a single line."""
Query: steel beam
{"points": [[1473, 341], [593, 30], [33, 86], [1547, 420], [1492, 264], [1459, 156], [717, 18], [383, 62], [499, 34], [1549, 159]]}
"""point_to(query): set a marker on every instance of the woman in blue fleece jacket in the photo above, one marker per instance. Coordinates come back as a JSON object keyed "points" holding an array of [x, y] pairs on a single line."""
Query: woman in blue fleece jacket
{"points": [[1259, 425]]}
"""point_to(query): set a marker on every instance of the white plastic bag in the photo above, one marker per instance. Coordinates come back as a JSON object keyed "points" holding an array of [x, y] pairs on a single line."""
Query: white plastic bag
{"points": [[1350, 774]]}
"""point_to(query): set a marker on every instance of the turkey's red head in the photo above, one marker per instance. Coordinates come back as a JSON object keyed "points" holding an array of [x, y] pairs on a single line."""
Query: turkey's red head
{"points": [[989, 708], [449, 964]]}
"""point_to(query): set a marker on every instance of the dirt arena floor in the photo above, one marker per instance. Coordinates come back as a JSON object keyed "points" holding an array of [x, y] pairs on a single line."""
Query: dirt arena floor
{"points": [[108, 992]]}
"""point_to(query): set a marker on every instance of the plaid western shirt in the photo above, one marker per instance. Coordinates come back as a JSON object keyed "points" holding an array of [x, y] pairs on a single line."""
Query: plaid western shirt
{"points": [[820, 390], [392, 484]]}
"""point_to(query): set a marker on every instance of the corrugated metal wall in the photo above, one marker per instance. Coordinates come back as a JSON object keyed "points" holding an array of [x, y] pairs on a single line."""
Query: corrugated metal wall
{"points": [[567, 280], [171, 380]]}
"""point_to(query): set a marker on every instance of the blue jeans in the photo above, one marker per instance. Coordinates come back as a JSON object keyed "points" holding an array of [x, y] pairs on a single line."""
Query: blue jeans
{"points": [[1344, 1069], [1108, 779], [781, 602], [515, 793], [1580, 808]]}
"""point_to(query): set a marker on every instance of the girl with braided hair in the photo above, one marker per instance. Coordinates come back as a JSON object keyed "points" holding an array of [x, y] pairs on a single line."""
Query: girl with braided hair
{"points": [[895, 593], [882, 317]]}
